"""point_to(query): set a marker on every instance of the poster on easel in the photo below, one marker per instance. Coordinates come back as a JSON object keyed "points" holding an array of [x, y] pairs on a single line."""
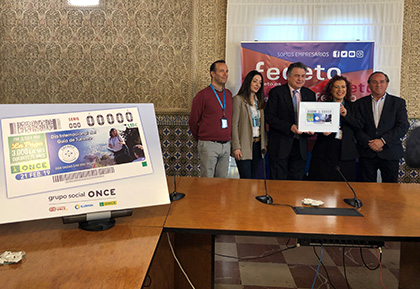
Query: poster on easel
{"points": [[79, 158]]}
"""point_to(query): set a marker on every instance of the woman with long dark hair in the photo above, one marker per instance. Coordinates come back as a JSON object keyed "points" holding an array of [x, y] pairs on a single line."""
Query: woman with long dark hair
{"points": [[248, 126], [336, 150]]}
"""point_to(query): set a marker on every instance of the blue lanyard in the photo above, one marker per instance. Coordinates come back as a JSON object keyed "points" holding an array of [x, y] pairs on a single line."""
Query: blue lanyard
{"points": [[256, 107], [224, 98]]}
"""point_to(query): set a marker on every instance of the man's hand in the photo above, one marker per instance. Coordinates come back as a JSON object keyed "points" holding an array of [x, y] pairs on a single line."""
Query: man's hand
{"points": [[376, 145], [295, 130]]}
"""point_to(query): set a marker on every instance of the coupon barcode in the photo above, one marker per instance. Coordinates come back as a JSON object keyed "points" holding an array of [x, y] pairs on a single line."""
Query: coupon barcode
{"points": [[78, 176], [35, 126]]}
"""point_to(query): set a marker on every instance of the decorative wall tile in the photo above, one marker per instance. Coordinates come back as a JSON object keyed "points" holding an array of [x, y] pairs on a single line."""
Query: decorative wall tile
{"points": [[406, 174], [180, 149]]}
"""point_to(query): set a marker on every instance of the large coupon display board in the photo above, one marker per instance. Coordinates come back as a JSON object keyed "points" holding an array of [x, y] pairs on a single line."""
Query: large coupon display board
{"points": [[324, 60], [56, 160]]}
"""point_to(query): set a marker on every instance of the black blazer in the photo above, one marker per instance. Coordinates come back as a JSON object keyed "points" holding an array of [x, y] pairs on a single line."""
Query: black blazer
{"points": [[280, 116], [349, 125], [392, 126]]}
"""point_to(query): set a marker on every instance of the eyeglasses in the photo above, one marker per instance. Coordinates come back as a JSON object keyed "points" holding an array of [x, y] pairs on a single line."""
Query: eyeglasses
{"points": [[378, 82]]}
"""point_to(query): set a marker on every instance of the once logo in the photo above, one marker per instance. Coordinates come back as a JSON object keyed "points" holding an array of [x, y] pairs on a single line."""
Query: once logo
{"points": [[102, 193]]}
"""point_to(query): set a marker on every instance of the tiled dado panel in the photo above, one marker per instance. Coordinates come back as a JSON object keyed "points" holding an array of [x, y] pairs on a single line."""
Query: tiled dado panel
{"points": [[180, 149], [406, 174]]}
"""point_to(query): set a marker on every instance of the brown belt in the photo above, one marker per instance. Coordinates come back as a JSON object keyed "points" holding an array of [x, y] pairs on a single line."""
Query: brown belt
{"points": [[257, 139]]}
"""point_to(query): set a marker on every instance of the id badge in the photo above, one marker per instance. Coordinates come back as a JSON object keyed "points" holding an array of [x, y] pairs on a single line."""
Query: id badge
{"points": [[256, 122], [224, 123]]}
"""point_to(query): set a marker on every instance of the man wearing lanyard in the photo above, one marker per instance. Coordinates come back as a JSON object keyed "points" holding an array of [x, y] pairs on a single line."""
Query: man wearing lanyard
{"points": [[384, 123], [210, 123], [287, 146]]}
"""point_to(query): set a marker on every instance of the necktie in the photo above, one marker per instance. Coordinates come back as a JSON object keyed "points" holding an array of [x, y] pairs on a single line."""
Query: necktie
{"points": [[295, 104]]}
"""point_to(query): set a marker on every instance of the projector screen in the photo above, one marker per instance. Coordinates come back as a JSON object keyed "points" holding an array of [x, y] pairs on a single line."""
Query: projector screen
{"points": [[71, 159]]}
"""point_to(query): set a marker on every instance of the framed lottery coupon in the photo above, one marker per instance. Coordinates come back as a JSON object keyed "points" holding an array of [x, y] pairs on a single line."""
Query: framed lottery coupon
{"points": [[59, 160], [319, 116]]}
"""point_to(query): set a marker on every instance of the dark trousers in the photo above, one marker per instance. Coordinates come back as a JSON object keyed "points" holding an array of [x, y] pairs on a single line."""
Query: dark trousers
{"points": [[248, 168], [291, 167], [369, 168]]}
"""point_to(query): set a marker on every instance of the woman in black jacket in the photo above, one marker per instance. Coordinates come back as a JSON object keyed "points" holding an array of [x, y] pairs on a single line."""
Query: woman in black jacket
{"points": [[336, 150]]}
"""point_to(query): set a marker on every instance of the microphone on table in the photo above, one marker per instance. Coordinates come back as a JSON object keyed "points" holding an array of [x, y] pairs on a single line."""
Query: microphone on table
{"points": [[175, 196], [266, 199], [355, 202]]}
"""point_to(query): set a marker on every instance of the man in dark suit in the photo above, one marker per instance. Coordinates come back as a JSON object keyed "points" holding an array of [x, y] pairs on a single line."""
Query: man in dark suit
{"points": [[384, 123], [287, 146]]}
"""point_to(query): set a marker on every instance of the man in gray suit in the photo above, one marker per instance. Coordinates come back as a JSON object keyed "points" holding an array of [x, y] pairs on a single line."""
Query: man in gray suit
{"points": [[384, 123]]}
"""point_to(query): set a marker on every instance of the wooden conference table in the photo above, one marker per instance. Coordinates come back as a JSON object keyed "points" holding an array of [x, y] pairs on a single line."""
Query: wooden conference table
{"points": [[62, 256], [391, 212]]}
